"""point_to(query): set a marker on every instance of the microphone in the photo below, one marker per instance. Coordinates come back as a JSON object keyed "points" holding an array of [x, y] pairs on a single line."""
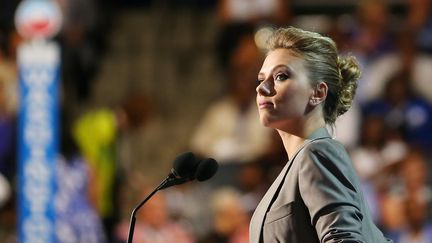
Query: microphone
{"points": [[186, 167], [189, 170], [206, 169]]}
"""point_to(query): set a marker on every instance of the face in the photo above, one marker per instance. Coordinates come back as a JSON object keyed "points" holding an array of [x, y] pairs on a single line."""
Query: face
{"points": [[284, 90]]}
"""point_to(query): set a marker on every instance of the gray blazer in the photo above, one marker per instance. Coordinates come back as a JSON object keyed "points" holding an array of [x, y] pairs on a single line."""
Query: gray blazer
{"points": [[315, 198]]}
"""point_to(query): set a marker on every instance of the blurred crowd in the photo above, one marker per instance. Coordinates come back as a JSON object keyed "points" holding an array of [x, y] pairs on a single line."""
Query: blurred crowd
{"points": [[388, 131]]}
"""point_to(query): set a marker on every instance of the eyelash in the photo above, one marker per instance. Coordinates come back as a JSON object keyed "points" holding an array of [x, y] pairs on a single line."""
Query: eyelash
{"points": [[283, 75], [277, 76]]}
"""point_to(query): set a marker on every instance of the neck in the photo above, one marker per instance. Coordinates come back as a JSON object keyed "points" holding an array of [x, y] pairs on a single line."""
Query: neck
{"points": [[291, 142], [294, 136]]}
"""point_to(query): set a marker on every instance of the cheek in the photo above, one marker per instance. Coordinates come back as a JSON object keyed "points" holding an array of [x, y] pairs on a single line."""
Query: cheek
{"points": [[293, 102], [290, 97]]}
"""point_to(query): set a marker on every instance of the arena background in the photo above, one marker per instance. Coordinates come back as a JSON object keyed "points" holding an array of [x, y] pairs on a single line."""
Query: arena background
{"points": [[184, 71]]}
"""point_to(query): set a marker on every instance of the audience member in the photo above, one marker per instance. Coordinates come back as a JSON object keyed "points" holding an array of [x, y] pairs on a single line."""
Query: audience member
{"points": [[96, 134], [375, 159], [419, 21], [371, 36], [368, 160], [251, 185], [254, 178], [404, 111], [410, 184], [406, 59], [76, 219], [185, 203], [239, 16], [8, 140], [418, 227], [370, 39], [7, 145], [155, 225], [85, 30], [8, 108], [230, 219], [229, 130]]}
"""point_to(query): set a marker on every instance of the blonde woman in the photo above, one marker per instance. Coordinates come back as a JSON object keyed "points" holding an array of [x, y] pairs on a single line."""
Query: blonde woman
{"points": [[303, 87]]}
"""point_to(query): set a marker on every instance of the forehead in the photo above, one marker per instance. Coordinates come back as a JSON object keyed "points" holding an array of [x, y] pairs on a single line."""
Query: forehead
{"points": [[284, 57]]}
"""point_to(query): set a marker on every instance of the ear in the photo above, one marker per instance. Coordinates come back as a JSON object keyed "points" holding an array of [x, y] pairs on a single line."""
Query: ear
{"points": [[319, 94]]}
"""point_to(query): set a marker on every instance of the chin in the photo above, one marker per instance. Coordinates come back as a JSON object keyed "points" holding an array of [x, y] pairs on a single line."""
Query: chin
{"points": [[279, 124], [265, 121]]}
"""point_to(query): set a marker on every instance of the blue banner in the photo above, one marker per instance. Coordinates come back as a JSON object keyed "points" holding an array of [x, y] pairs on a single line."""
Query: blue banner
{"points": [[39, 70]]}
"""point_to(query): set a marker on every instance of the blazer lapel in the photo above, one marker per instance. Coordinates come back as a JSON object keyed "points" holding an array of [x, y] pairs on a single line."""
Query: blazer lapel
{"points": [[262, 208]]}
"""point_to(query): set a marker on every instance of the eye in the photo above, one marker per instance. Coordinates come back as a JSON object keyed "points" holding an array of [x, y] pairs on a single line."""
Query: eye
{"points": [[281, 77]]}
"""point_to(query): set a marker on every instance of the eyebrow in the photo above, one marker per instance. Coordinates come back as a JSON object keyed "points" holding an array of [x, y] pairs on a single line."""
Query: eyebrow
{"points": [[276, 67]]}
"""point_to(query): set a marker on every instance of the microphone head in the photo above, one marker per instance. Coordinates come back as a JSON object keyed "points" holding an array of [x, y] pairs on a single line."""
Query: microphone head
{"points": [[206, 169], [185, 165]]}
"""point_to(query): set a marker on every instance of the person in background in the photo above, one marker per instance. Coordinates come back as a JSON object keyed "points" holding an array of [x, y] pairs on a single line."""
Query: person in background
{"points": [[8, 124], [8, 107], [371, 40], [419, 21], [229, 130], [409, 187], [418, 227], [368, 160], [97, 133], [236, 17], [251, 185], [372, 36], [76, 218], [230, 218], [403, 110], [155, 225], [80, 48], [303, 86]]}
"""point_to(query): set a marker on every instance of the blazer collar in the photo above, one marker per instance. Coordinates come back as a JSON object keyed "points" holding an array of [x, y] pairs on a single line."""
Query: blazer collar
{"points": [[319, 133]]}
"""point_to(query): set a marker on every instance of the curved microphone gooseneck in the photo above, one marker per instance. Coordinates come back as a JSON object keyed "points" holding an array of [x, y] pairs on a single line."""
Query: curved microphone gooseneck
{"points": [[186, 168]]}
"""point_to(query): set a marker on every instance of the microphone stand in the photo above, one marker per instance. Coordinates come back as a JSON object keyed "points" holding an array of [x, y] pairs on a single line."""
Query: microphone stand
{"points": [[169, 181]]}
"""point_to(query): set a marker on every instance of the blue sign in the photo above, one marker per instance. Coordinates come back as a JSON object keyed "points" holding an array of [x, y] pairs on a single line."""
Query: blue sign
{"points": [[38, 140]]}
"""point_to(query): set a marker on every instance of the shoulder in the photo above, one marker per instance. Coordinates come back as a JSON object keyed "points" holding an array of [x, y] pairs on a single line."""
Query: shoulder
{"points": [[327, 150], [328, 158]]}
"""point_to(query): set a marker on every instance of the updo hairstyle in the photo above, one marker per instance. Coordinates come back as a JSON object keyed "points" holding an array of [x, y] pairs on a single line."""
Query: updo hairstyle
{"points": [[323, 63]]}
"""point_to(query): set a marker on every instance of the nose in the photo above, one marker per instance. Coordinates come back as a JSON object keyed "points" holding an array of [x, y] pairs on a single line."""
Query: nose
{"points": [[265, 88]]}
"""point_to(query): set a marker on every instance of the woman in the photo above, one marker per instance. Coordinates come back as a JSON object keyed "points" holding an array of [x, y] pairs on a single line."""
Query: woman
{"points": [[303, 86]]}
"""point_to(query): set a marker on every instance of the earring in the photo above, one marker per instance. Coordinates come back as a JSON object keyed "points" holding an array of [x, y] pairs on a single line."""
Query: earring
{"points": [[314, 101]]}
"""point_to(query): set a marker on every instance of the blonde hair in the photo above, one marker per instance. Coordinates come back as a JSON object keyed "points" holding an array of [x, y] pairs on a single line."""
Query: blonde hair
{"points": [[323, 63]]}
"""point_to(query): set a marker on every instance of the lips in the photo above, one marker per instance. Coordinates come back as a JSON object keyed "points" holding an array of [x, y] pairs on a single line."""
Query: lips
{"points": [[265, 104]]}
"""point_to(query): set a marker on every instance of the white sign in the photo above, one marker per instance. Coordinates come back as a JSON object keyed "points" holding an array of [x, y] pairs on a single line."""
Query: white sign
{"points": [[38, 19]]}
